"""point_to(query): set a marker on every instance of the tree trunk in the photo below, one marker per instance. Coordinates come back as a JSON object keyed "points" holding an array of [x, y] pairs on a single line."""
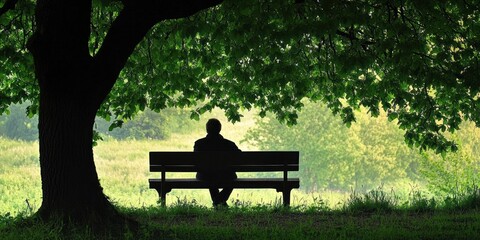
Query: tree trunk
{"points": [[68, 104], [70, 184]]}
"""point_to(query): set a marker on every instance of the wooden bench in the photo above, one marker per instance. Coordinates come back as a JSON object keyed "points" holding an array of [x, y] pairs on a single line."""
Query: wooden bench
{"points": [[251, 161]]}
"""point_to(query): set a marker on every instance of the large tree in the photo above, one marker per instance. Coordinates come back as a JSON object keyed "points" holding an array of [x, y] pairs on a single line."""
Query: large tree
{"points": [[72, 86], [418, 60]]}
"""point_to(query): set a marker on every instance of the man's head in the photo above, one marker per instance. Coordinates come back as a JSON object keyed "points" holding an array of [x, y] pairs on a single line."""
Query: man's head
{"points": [[213, 126]]}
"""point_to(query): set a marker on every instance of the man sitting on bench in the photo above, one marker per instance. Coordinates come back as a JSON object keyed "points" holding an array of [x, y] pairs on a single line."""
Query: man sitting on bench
{"points": [[215, 142]]}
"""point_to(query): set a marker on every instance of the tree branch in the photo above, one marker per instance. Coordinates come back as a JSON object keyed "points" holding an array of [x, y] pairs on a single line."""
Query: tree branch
{"points": [[130, 27], [352, 38], [173, 9], [9, 5]]}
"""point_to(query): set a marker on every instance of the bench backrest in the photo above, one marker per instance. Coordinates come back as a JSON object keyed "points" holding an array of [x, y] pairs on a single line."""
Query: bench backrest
{"points": [[249, 161]]}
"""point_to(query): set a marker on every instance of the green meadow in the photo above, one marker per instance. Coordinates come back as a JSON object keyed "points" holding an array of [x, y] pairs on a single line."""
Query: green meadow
{"points": [[122, 167], [378, 213]]}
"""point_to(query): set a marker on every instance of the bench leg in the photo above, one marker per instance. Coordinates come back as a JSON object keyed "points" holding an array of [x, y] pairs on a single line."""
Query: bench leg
{"points": [[163, 197], [286, 197]]}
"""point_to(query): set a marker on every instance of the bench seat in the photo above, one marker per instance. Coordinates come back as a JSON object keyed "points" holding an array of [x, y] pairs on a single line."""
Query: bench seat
{"points": [[193, 183]]}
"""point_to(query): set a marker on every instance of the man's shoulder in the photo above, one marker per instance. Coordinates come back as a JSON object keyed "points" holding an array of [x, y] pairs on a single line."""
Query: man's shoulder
{"points": [[201, 141], [228, 141], [231, 144], [214, 144]]}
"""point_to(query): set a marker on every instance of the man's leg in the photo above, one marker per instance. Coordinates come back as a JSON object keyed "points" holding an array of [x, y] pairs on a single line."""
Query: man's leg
{"points": [[224, 195], [226, 191], [215, 195]]}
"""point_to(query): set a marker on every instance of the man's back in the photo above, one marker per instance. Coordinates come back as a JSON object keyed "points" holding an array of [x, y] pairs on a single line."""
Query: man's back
{"points": [[214, 143]]}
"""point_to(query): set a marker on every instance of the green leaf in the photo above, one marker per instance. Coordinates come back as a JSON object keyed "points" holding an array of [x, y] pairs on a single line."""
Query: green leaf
{"points": [[115, 124]]}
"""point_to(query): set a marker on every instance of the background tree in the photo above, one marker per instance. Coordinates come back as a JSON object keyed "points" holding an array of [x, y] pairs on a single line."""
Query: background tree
{"points": [[417, 60], [454, 173], [148, 125], [334, 157], [16, 125]]}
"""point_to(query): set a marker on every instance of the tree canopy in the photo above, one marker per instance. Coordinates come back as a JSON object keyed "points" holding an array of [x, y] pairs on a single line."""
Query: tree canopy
{"points": [[417, 60]]}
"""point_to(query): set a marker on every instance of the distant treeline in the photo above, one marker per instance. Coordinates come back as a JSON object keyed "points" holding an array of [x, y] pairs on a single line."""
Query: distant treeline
{"points": [[16, 125], [146, 125], [370, 153]]}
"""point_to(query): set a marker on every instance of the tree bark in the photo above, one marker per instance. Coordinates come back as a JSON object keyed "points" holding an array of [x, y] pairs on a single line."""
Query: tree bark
{"points": [[70, 183]]}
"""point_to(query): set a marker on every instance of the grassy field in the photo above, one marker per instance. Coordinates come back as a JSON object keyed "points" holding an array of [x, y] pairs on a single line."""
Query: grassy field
{"points": [[123, 171], [254, 214]]}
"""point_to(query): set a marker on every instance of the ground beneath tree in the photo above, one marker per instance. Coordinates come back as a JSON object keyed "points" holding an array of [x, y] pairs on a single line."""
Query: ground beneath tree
{"points": [[247, 223], [236, 224]]}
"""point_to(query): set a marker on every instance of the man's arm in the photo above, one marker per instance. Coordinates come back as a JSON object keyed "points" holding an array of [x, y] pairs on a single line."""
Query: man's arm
{"points": [[234, 147], [198, 146]]}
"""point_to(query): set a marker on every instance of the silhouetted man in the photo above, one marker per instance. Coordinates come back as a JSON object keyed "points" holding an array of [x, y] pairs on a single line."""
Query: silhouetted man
{"points": [[215, 142]]}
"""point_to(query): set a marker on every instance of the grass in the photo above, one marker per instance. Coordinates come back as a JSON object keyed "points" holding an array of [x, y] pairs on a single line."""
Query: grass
{"points": [[376, 214], [189, 220], [254, 214], [373, 215], [270, 224], [122, 167]]}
